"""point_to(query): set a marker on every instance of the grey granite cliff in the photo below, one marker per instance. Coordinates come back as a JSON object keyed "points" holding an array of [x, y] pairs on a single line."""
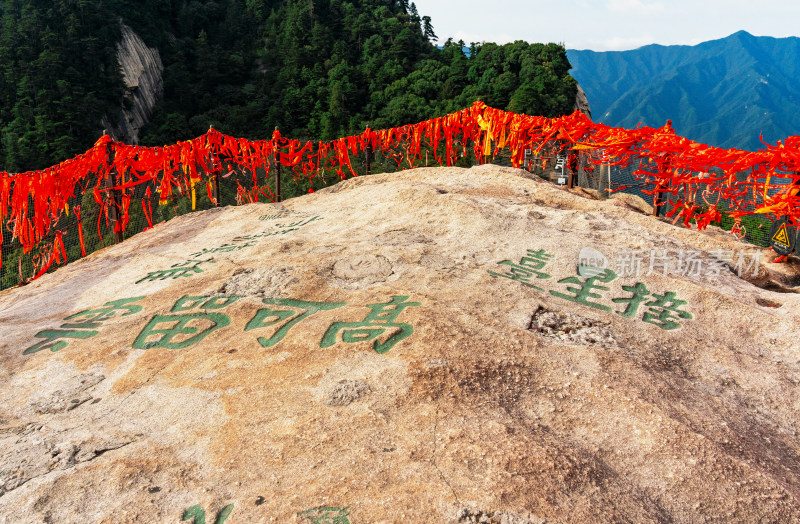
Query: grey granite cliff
{"points": [[142, 72]]}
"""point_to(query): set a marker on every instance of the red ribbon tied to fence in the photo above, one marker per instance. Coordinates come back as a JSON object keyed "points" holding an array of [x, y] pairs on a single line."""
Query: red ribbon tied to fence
{"points": [[669, 165]]}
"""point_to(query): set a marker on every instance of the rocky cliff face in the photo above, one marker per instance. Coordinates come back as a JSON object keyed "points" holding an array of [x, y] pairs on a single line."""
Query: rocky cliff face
{"points": [[582, 103], [141, 69]]}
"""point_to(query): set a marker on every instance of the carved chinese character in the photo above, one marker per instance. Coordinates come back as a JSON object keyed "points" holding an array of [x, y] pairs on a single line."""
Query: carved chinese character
{"points": [[527, 268], [52, 339], [640, 294], [198, 514], [189, 302], [268, 317], [181, 330], [82, 325], [224, 248], [175, 330], [182, 269], [92, 318], [380, 320], [586, 286], [327, 515], [298, 224], [664, 311]]}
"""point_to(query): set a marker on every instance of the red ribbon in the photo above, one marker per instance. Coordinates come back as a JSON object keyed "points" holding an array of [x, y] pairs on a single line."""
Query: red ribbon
{"points": [[668, 162]]}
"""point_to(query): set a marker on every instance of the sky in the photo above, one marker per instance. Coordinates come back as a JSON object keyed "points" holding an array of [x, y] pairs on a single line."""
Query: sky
{"points": [[609, 25]]}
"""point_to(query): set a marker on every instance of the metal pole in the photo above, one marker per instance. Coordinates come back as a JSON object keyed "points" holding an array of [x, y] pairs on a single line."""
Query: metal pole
{"points": [[116, 197], [665, 167], [656, 200], [216, 189], [277, 174], [571, 178], [369, 155], [216, 176]]}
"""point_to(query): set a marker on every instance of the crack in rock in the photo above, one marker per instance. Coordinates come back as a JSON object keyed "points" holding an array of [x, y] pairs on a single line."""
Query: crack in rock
{"points": [[32, 455], [68, 397]]}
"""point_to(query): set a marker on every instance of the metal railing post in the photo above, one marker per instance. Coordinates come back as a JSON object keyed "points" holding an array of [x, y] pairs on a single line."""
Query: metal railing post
{"points": [[116, 197], [665, 167], [277, 160], [604, 181], [369, 153], [216, 176], [571, 178], [657, 200]]}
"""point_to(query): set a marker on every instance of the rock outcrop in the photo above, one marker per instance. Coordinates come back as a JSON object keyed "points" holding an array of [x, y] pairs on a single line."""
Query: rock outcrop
{"points": [[437, 345], [582, 102], [141, 69]]}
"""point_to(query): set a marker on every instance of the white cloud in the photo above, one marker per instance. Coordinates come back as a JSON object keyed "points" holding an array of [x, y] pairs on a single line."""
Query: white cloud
{"points": [[617, 43], [609, 24], [635, 6], [490, 36]]}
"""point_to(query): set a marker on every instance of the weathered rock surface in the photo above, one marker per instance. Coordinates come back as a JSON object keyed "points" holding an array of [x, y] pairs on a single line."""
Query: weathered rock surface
{"points": [[360, 354], [582, 102], [141, 71]]}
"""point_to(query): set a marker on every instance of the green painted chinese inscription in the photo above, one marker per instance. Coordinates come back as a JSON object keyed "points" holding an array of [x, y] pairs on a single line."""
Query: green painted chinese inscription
{"points": [[662, 310], [640, 294], [585, 290], [192, 318], [327, 515], [380, 320], [172, 331], [528, 267], [198, 514], [83, 325], [268, 317], [181, 269], [224, 248], [188, 302], [185, 326], [283, 228]]}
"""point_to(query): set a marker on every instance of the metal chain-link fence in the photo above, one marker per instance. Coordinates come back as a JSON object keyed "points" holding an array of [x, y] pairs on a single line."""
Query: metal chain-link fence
{"points": [[89, 225], [608, 180]]}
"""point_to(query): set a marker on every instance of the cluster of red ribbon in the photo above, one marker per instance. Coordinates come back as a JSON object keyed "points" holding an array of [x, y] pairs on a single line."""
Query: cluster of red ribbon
{"points": [[668, 164]]}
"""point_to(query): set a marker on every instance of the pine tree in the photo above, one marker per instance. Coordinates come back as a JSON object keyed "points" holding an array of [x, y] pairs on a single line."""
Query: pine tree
{"points": [[316, 68], [413, 13], [427, 29]]}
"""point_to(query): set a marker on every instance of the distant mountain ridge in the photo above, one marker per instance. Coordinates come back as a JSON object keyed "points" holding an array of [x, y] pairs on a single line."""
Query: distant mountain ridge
{"points": [[722, 92]]}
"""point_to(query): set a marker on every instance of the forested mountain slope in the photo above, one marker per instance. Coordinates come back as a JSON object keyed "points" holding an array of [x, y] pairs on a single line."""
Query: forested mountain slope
{"points": [[723, 92], [316, 68]]}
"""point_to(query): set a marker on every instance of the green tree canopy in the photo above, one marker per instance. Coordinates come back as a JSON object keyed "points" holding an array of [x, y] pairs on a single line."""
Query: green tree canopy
{"points": [[315, 68]]}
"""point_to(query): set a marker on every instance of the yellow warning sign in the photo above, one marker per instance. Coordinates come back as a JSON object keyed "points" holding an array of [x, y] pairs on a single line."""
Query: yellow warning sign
{"points": [[780, 237]]}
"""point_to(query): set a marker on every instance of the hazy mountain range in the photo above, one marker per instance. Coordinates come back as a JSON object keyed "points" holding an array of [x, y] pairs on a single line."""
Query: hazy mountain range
{"points": [[723, 92]]}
